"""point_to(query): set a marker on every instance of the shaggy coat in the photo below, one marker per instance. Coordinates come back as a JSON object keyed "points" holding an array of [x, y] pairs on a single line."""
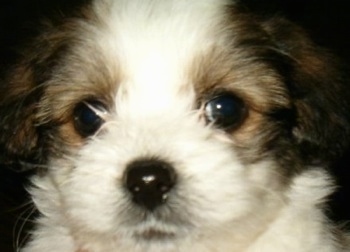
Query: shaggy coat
{"points": [[241, 114]]}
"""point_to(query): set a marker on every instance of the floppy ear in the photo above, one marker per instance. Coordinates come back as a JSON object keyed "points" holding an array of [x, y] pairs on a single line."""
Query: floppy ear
{"points": [[20, 137], [318, 89], [23, 139], [21, 87]]}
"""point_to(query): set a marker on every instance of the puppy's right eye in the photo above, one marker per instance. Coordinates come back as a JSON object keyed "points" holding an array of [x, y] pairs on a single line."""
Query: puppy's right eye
{"points": [[87, 117]]}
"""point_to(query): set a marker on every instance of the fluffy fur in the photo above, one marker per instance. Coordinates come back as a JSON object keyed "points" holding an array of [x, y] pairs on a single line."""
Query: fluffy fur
{"points": [[154, 65]]}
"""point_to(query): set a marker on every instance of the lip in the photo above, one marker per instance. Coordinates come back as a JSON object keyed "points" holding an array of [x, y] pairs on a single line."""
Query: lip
{"points": [[155, 234]]}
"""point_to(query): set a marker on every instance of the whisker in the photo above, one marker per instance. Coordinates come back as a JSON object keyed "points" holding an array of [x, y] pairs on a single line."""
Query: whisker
{"points": [[20, 225]]}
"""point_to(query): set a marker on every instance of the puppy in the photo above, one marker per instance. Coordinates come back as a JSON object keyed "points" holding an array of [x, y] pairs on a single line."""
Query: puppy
{"points": [[176, 125]]}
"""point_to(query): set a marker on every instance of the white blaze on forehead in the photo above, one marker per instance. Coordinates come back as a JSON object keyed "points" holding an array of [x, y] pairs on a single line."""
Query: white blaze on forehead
{"points": [[154, 41]]}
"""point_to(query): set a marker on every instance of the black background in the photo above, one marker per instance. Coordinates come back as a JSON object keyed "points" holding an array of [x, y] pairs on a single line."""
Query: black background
{"points": [[327, 21]]}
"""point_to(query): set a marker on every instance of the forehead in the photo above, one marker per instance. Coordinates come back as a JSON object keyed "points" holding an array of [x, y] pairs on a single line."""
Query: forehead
{"points": [[145, 46], [153, 42], [152, 47]]}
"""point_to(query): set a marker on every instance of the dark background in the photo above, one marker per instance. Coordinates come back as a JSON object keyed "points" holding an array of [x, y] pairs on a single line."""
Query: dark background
{"points": [[327, 21]]}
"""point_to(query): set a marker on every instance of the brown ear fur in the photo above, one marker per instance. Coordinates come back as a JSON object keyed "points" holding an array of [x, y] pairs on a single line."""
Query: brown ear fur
{"points": [[21, 88], [23, 139], [319, 91], [19, 137]]}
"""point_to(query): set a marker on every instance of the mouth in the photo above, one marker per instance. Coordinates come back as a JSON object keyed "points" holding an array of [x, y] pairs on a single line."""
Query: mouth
{"points": [[155, 230], [153, 234]]}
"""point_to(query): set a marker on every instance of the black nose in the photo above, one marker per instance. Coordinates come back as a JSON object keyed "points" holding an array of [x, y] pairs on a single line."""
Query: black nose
{"points": [[149, 182]]}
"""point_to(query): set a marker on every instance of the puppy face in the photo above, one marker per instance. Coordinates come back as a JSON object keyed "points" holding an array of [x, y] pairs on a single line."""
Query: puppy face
{"points": [[164, 123]]}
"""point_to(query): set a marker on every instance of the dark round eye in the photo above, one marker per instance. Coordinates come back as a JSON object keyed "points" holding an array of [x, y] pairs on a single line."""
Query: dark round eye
{"points": [[225, 110], [87, 119]]}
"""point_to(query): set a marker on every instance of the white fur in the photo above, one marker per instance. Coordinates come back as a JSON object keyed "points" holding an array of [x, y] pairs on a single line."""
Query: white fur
{"points": [[155, 42], [220, 204]]}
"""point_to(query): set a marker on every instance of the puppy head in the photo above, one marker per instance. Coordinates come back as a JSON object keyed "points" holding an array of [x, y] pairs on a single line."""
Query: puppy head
{"points": [[198, 105]]}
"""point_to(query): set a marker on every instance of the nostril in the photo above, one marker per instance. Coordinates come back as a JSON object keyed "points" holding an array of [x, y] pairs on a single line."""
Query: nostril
{"points": [[149, 181]]}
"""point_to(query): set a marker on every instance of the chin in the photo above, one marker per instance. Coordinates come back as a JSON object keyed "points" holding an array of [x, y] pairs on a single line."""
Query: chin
{"points": [[176, 126]]}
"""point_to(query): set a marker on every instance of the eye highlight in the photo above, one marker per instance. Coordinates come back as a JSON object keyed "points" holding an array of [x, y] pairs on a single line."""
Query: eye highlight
{"points": [[88, 117], [225, 111]]}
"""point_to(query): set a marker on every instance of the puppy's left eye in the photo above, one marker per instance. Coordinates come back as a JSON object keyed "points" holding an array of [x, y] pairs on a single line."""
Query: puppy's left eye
{"points": [[225, 110], [87, 117]]}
